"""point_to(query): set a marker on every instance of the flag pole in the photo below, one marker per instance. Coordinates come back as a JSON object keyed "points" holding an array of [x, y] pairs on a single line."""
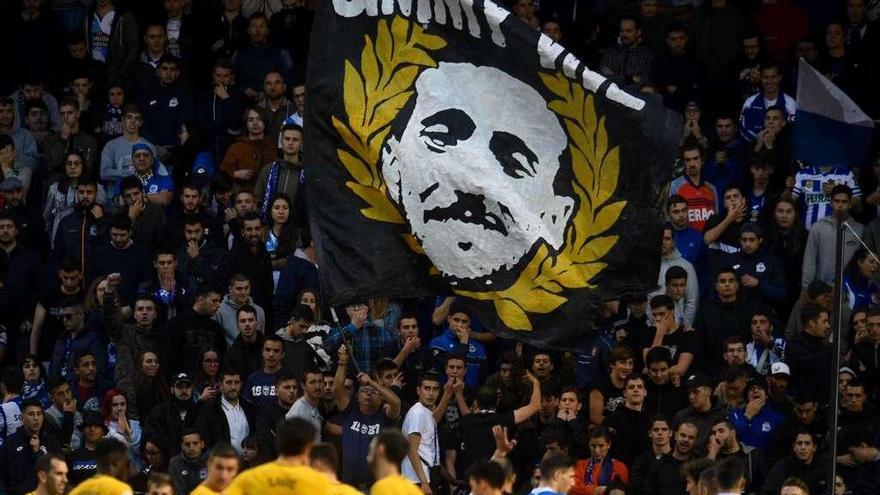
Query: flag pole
{"points": [[835, 339]]}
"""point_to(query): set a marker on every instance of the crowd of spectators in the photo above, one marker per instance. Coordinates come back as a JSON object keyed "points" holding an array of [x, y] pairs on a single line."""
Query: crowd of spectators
{"points": [[159, 284]]}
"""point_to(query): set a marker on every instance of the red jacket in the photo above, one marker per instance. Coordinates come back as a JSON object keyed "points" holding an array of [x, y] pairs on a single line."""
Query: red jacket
{"points": [[619, 472]]}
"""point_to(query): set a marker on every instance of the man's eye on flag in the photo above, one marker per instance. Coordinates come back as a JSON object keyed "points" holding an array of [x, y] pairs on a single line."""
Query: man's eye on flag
{"points": [[455, 150]]}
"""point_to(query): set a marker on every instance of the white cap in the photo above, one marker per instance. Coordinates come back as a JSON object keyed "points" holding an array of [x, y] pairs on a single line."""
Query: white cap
{"points": [[779, 369]]}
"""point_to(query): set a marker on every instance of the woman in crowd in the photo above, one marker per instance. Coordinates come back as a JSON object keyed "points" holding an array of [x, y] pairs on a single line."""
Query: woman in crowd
{"points": [[858, 280], [786, 240], [150, 386], [593, 476], [281, 236], [61, 198], [120, 426], [207, 381]]}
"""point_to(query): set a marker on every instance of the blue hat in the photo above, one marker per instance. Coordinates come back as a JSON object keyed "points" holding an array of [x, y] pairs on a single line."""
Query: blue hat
{"points": [[11, 184], [141, 147]]}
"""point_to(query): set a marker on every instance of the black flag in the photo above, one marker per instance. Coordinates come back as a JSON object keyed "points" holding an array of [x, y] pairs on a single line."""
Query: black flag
{"points": [[452, 149]]}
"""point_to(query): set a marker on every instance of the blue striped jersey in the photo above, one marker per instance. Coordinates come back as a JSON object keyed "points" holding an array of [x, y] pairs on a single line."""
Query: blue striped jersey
{"points": [[808, 187]]}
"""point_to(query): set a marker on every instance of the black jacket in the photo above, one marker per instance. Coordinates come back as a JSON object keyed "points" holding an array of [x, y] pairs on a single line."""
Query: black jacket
{"points": [[244, 357], [165, 424], [258, 268], [78, 234], [716, 321], [665, 477], [815, 474], [186, 335], [632, 433], [809, 358], [213, 425], [212, 225], [17, 460], [755, 463]]}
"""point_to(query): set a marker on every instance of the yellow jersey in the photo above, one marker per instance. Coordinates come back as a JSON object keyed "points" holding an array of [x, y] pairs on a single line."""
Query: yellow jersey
{"points": [[101, 484], [395, 485], [343, 489], [203, 490], [275, 478]]}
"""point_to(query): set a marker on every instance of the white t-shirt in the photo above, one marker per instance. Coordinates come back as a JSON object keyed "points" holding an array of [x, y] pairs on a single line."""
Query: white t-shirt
{"points": [[419, 419], [302, 409]]}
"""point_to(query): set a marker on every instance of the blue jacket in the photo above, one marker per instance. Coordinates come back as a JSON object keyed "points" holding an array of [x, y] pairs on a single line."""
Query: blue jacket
{"points": [[751, 120], [760, 431], [70, 240], [475, 355], [766, 268], [68, 346]]}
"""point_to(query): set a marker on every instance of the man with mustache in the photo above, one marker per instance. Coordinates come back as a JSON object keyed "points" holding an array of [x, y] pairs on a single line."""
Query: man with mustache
{"points": [[475, 234]]}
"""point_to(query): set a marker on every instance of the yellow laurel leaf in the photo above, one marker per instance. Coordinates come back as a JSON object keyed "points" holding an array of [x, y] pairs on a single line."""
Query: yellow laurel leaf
{"points": [[581, 168], [402, 80], [608, 175], [370, 66], [575, 277], [413, 243], [597, 248], [564, 109], [355, 98], [428, 41], [601, 138], [512, 315], [381, 208], [349, 138], [374, 150], [416, 56], [355, 167], [386, 111], [557, 84], [400, 31], [607, 217], [384, 46]]}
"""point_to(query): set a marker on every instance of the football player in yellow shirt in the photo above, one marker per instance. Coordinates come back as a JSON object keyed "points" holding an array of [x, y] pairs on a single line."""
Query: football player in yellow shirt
{"points": [[159, 484], [290, 474], [51, 475], [324, 458], [387, 451], [222, 468], [112, 458]]}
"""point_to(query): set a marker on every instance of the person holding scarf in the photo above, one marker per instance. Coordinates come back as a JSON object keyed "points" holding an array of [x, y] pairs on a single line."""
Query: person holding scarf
{"points": [[594, 475], [282, 176]]}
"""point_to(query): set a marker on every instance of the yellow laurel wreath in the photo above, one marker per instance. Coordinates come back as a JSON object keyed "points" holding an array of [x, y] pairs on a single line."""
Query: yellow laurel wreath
{"points": [[374, 96], [540, 286]]}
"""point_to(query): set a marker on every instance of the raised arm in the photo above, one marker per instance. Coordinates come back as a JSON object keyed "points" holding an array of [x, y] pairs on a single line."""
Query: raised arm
{"points": [[342, 397], [387, 395], [527, 411]]}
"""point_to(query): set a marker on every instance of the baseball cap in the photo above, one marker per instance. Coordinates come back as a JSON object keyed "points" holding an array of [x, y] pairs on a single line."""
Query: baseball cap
{"points": [[141, 147], [93, 418], [202, 170], [698, 379], [181, 378], [780, 369], [11, 184], [757, 381]]}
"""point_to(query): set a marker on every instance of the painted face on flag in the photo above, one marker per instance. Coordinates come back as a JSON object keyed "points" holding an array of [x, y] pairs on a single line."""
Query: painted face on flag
{"points": [[474, 170]]}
